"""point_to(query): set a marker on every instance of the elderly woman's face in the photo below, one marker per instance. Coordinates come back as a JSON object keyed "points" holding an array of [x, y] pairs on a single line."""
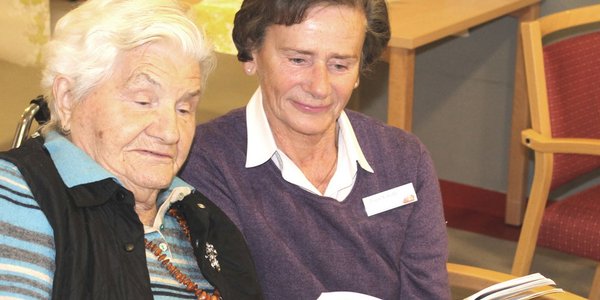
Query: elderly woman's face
{"points": [[307, 71], [139, 123]]}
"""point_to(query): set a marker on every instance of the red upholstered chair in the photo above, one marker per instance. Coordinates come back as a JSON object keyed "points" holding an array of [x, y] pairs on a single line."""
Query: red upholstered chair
{"points": [[562, 63]]}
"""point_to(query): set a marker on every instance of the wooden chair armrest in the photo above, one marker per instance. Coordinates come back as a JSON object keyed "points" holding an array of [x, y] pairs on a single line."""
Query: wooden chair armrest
{"points": [[474, 278], [535, 141]]}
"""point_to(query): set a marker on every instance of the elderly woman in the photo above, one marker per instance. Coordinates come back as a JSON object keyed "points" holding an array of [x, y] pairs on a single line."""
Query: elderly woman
{"points": [[327, 199], [92, 209]]}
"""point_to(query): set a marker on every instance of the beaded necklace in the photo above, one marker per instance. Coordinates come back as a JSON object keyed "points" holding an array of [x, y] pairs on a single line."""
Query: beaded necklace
{"points": [[175, 272]]}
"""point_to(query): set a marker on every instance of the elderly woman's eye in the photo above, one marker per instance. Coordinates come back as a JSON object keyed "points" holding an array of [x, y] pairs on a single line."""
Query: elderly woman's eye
{"points": [[142, 100], [184, 108], [143, 103]]}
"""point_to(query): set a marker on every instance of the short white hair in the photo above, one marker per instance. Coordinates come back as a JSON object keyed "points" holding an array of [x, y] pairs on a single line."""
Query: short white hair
{"points": [[87, 40]]}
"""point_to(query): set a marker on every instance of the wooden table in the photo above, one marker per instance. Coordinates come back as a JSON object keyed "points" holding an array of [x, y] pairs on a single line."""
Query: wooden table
{"points": [[415, 23]]}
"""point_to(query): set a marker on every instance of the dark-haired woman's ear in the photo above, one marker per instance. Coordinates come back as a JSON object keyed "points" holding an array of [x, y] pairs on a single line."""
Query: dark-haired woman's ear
{"points": [[250, 67]]}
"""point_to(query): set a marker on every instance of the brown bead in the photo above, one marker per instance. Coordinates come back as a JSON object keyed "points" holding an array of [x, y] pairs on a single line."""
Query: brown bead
{"points": [[175, 272], [204, 295]]}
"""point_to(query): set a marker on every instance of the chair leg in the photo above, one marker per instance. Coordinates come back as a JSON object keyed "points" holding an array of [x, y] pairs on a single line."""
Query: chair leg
{"points": [[595, 289]]}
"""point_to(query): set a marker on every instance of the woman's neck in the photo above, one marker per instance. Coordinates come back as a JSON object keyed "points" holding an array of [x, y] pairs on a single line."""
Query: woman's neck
{"points": [[145, 206], [315, 156]]}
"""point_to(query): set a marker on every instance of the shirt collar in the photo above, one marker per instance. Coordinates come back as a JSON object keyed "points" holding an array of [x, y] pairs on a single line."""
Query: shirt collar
{"points": [[73, 164], [349, 139], [261, 142]]}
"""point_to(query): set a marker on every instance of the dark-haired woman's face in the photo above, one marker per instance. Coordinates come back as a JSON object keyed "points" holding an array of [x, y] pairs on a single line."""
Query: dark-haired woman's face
{"points": [[307, 71]]}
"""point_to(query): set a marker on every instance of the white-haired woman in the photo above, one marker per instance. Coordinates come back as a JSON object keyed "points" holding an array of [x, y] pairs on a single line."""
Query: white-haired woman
{"points": [[92, 209]]}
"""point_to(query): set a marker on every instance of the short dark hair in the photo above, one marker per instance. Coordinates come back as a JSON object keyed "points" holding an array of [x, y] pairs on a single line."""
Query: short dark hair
{"points": [[253, 18]]}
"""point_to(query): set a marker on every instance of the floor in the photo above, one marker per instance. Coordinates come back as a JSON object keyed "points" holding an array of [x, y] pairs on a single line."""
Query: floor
{"points": [[478, 237]]}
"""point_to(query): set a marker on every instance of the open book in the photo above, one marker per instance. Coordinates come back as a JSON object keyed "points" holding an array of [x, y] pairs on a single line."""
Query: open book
{"points": [[520, 288]]}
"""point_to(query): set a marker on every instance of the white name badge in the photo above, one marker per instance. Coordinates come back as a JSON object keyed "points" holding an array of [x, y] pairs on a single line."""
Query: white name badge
{"points": [[390, 199]]}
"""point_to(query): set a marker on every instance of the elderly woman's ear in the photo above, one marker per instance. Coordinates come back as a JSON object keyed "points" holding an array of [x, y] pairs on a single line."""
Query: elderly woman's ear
{"points": [[64, 102]]}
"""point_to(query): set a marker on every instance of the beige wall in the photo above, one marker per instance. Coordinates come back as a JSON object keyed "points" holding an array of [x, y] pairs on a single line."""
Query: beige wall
{"points": [[18, 85], [24, 29]]}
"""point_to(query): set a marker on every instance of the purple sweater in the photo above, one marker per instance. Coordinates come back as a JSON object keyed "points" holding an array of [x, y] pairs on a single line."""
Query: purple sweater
{"points": [[304, 244]]}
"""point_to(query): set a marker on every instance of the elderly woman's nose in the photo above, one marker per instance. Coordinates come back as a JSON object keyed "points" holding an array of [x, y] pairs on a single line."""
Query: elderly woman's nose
{"points": [[318, 82], [165, 126]]}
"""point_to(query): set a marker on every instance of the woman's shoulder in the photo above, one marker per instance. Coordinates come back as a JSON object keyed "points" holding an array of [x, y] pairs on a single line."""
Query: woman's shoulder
{"points": [[225, 133], [375, 131], [230, 124], [233, 118], [12, 180], [18, 207]]}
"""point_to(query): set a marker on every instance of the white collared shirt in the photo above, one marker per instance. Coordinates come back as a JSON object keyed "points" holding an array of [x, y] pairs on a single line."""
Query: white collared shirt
{"points": [[262, 147]]}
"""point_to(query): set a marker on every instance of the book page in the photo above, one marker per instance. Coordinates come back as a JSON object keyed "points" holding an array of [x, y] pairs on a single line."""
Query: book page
{"points": [[511, 287]]}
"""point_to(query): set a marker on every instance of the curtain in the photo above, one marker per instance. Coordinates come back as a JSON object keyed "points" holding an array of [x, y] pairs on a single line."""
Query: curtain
{"points": [[216, 18], [24, 29]]}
